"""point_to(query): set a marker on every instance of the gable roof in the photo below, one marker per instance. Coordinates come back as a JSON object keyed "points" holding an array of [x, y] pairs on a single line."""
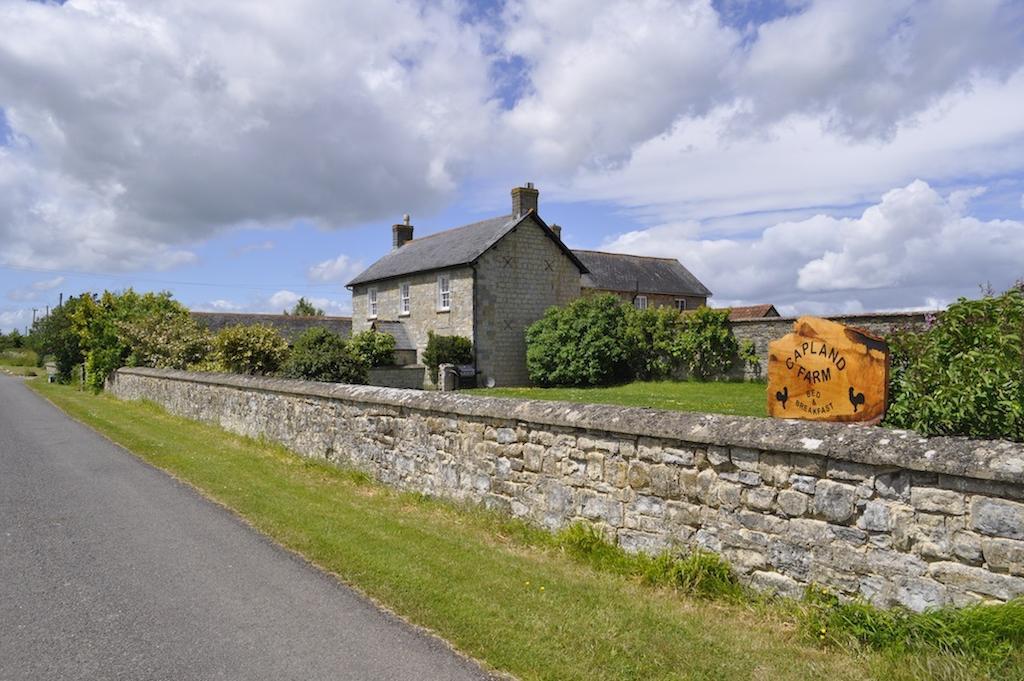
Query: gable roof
{"points": [[620, 272], [752, 312], [452, 247]]}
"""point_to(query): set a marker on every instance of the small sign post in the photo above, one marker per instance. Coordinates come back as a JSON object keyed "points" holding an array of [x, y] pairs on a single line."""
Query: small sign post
{"points": [[826, 371]]}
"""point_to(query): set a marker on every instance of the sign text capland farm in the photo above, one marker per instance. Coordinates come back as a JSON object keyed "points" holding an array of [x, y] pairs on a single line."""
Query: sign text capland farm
{"points": [[827, 371]]}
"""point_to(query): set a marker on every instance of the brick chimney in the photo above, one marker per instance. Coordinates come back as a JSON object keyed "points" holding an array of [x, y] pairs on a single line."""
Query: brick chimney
{"points": [[524, 199], [557, 229], [401, 234]]}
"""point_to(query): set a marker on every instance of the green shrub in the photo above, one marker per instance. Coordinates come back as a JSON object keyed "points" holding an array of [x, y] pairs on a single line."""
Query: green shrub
{"points": [[19, 358], [319, 355], [965, 374], [55, 335], [254, 350], [706, 346], [446, 350], [165, 339], [13, 340], [651, 334], [103, 324], [582, 343], [373, 348]]}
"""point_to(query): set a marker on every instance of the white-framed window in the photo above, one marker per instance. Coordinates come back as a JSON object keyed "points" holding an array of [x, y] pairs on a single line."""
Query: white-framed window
{"points": [[371, 301], [404, 297], [640, 302], [680, 304], [444, 293]]}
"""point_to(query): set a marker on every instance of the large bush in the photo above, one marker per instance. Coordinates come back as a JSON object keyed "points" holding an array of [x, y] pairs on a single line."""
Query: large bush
{"points": [[706, 346], [55, 335], [651, 336], [582, 343], [965, 374], [255, 349], [319, 355], [109, 326], [374, 348], [165, 339], [446, 350]]}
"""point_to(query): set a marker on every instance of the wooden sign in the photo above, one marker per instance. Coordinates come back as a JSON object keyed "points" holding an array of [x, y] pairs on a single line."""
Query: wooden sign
{"points": [[825, 371]]}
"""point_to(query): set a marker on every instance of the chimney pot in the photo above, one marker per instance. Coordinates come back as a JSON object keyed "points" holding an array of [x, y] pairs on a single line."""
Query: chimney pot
{"points": [[557, 229], [401, 234], [524, 199]]}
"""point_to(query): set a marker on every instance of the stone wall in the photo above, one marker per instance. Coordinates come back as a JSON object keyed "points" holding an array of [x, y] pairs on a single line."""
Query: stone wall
{"points": [[883, 514], [653, 299], [763, 331], [517, 280], [290, 326]]}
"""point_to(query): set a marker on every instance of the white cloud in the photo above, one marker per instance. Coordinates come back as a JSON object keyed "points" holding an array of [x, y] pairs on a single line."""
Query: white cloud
{"points": [[911, 248], [339, 269], [15, 319], [266, 245], [278, 302], [140, 128], [32, 292]]}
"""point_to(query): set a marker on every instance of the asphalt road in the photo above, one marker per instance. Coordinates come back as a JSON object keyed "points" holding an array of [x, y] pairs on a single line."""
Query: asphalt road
{"points": [[110, 569]]}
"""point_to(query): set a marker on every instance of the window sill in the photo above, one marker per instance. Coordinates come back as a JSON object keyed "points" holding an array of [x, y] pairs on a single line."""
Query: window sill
{"points": [[404, 314], [443, 310]]}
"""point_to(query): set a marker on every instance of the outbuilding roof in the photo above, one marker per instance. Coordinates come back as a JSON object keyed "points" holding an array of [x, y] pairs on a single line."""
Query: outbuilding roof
{"points": [[739, 312], [450, 248], [640, 273]]}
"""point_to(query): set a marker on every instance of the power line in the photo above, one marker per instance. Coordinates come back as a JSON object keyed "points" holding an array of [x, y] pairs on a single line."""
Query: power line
{"points": [[168, 282]]}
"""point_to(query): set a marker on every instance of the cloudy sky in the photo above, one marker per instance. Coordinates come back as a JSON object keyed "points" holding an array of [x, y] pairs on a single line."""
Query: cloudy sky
{"points": [[821, 155]]}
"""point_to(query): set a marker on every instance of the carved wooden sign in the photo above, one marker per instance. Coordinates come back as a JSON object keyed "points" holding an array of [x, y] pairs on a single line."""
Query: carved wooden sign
{"points": [[825, 371]]}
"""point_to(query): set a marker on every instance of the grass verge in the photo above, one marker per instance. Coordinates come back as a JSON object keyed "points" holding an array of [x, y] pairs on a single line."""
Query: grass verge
{"points": [[739, 399], [539, 606]]}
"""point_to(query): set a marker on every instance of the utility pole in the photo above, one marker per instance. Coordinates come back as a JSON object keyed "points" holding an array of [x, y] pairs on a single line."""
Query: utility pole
{"points": [[34, 310], [60, 301]]}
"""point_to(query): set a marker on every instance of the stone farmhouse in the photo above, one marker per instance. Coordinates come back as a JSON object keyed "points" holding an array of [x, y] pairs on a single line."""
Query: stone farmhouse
{"points": [[490, 280]]}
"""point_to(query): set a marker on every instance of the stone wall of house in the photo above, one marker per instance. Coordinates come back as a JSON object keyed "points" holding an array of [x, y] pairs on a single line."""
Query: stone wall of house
{"points": [[424, 314], [886, 515], [763, 331], [290, 326], [517, 280]]}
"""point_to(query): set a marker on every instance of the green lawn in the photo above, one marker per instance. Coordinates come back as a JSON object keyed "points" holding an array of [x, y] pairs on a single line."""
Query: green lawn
{"points": [[500, 591], [741, 399], [20, 363]]}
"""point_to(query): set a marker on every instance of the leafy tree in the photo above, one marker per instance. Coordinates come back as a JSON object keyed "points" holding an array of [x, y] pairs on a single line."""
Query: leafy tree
{"points": [[651, 334], [101, 324], [706, 346], [582, 343], [304, 308], [319, 355], [446, 350], [256, 349], [965, 374], [55, 335], [12, 341], [373, 348]]}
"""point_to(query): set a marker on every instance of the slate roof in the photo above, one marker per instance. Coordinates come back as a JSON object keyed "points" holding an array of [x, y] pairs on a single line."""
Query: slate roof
{"points": [[620, 272], [396, 329], [752, 312], [453, 247]]}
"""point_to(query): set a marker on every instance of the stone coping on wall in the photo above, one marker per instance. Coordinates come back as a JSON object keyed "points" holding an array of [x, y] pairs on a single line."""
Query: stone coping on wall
{"points": [[883, 316], [995, 460]]}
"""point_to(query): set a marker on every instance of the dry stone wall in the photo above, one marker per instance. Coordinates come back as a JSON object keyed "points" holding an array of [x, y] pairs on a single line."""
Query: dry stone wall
{"points": [[887, 515]]}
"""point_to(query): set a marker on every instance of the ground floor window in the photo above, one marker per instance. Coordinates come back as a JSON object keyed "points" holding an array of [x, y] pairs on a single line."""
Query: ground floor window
{"points": [[640, 302], [680, 304]]}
